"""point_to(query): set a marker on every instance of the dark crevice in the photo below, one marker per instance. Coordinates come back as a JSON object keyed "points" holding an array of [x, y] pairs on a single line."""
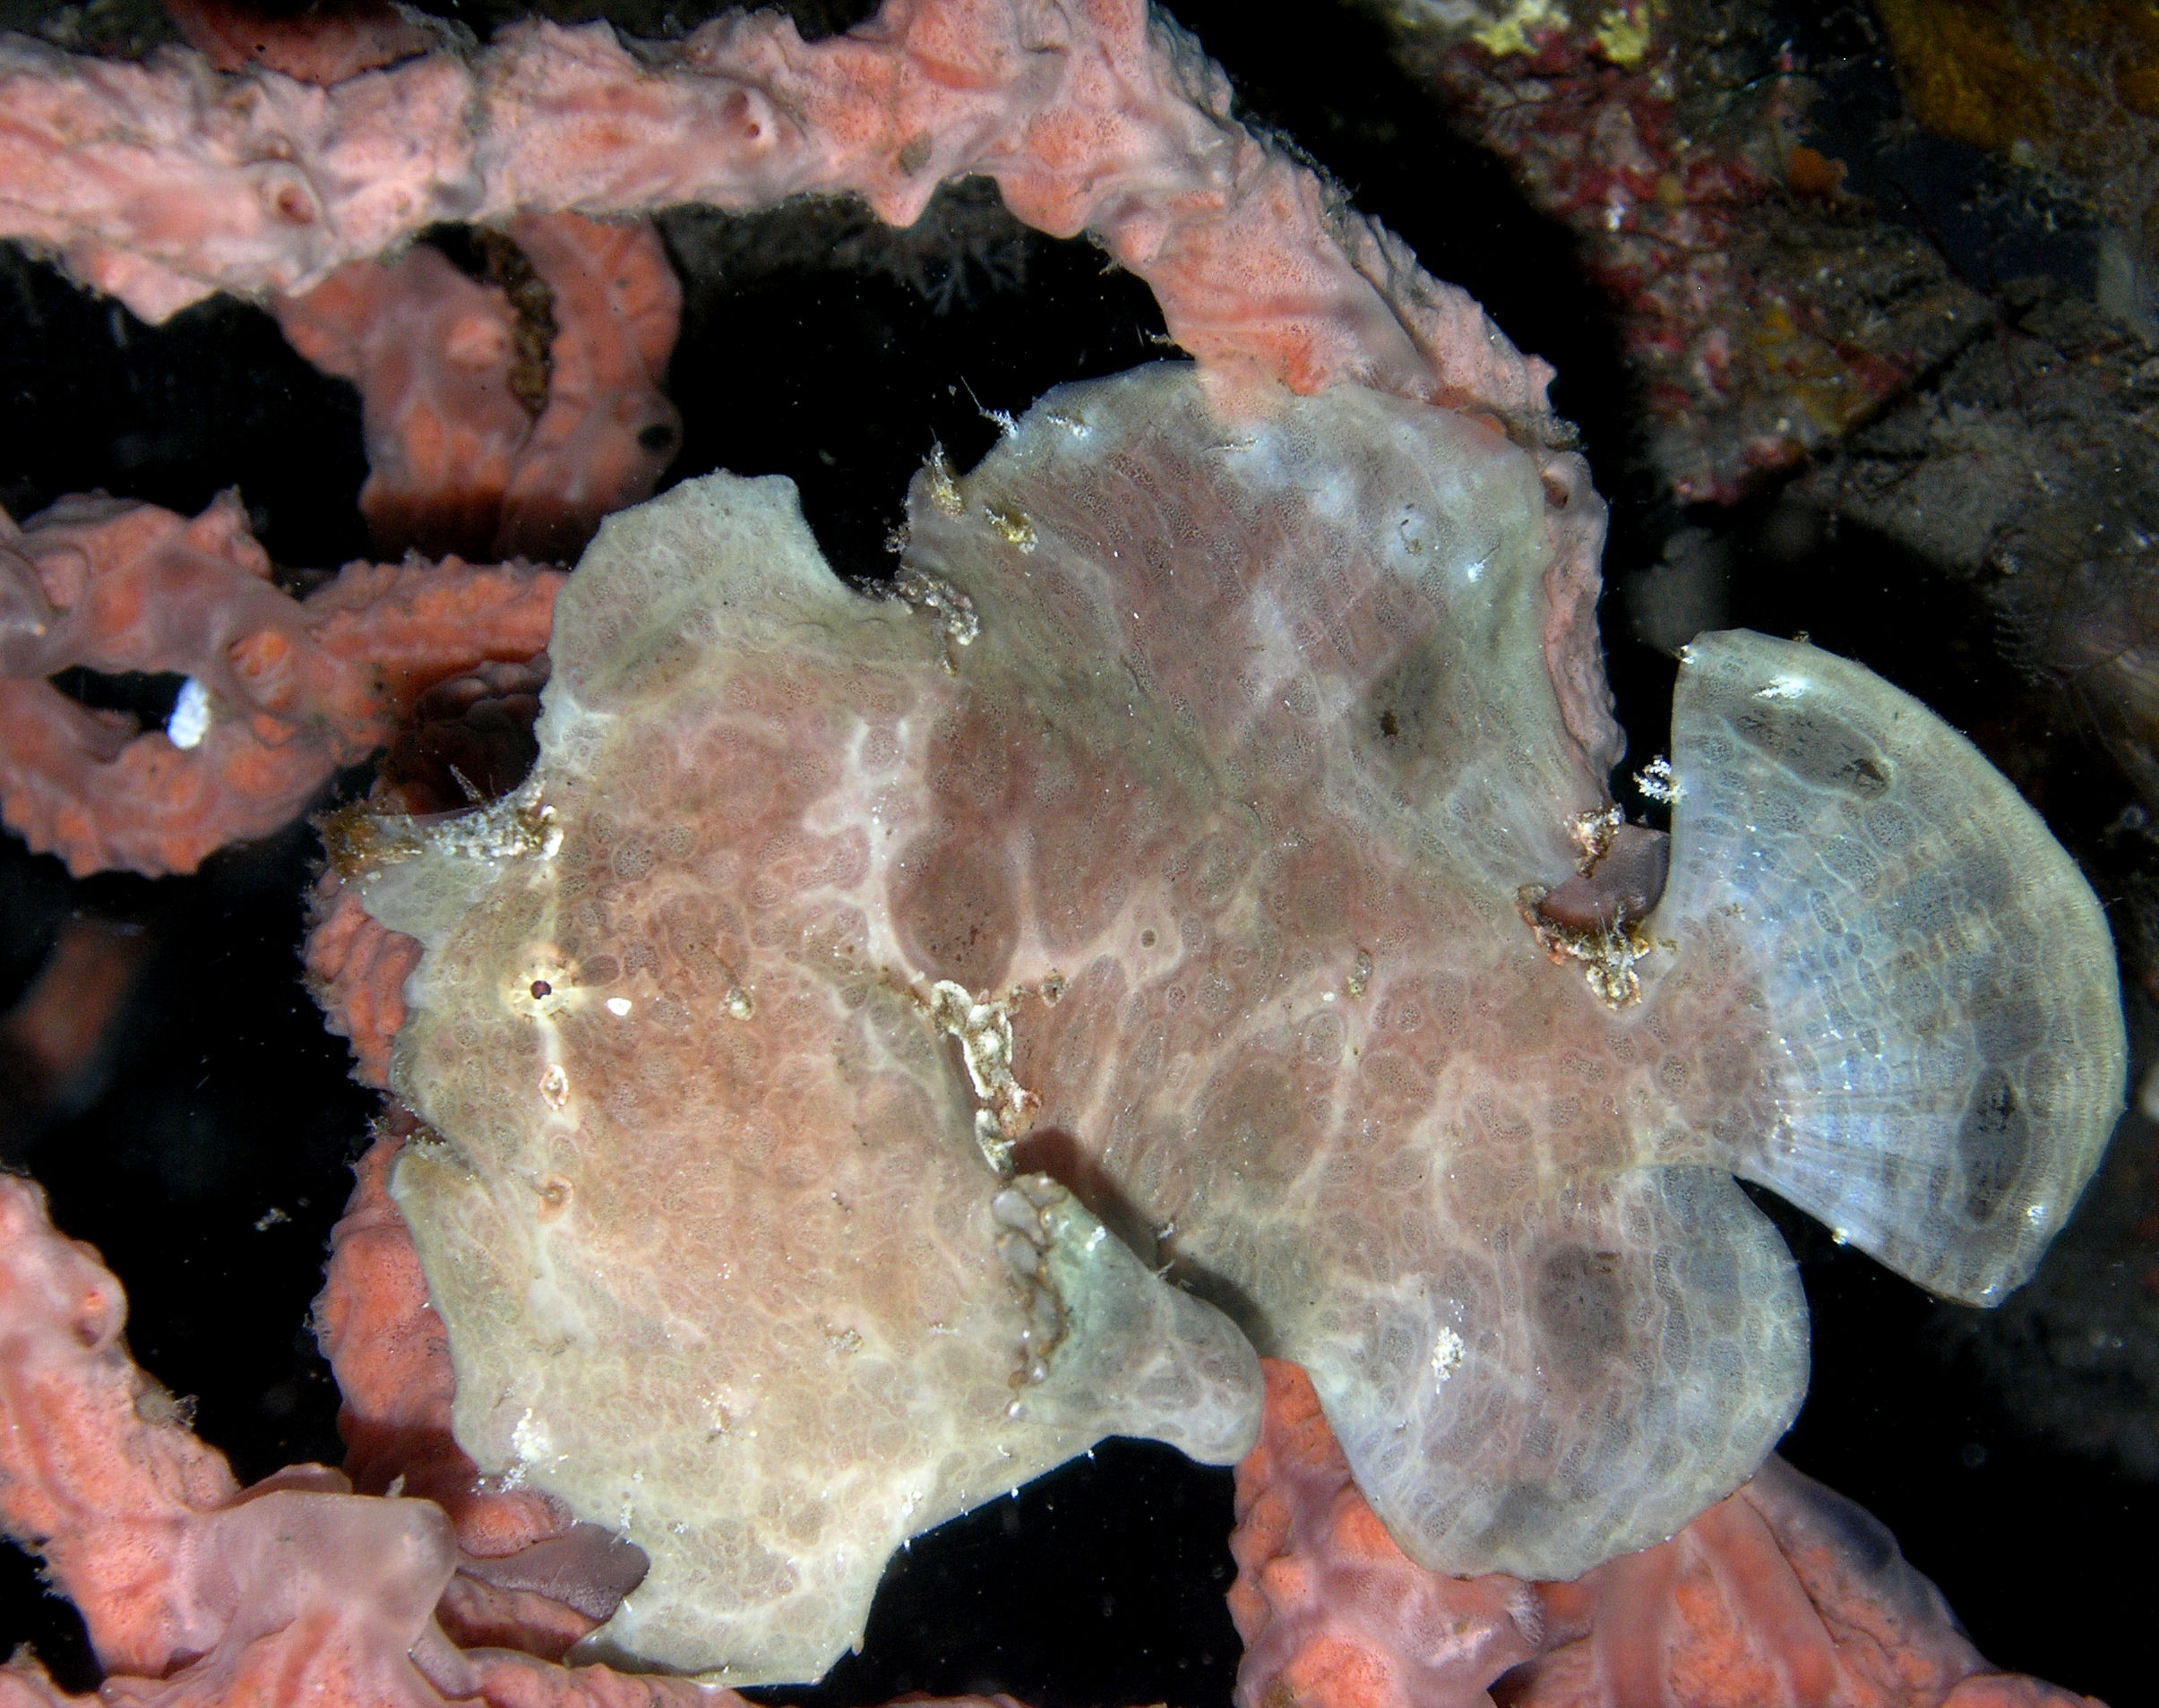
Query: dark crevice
{"points": [[147, 696]]}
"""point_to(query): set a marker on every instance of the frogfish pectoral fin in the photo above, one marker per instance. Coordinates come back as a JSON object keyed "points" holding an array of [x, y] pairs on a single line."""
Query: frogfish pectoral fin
{"points": [[1924, 979], [1579, 1384]]}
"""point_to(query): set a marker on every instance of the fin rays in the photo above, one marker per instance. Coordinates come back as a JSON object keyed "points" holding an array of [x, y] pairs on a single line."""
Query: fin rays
{"points": [[1664, 1351], [1939, 1029]]}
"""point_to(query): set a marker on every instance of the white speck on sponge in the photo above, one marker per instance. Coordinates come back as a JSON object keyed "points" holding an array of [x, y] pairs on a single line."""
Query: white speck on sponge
{"points": [[190, 719]]}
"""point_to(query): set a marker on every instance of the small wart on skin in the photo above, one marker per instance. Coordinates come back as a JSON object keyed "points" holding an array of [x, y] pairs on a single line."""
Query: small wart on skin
{"points": [[1592, 833], [1012, 526], [952, 609], [1448, 1352], [1607, 952], [984, 1027], [944, 490]]}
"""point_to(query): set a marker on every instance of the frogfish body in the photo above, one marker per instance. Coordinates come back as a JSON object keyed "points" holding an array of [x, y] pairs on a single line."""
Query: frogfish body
{"points": [[898, 1037]]}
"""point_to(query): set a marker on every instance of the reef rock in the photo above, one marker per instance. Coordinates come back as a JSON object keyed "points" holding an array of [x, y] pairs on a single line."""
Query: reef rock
{"points": [[883, 1017]]}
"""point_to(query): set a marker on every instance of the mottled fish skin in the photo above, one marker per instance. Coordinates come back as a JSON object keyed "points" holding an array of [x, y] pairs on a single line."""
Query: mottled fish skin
{"points": [[1176, 836], [1304, 756]]}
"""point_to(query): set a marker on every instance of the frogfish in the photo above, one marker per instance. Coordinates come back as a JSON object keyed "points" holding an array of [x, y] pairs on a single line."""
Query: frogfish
{"points": [[900, 1034]]}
